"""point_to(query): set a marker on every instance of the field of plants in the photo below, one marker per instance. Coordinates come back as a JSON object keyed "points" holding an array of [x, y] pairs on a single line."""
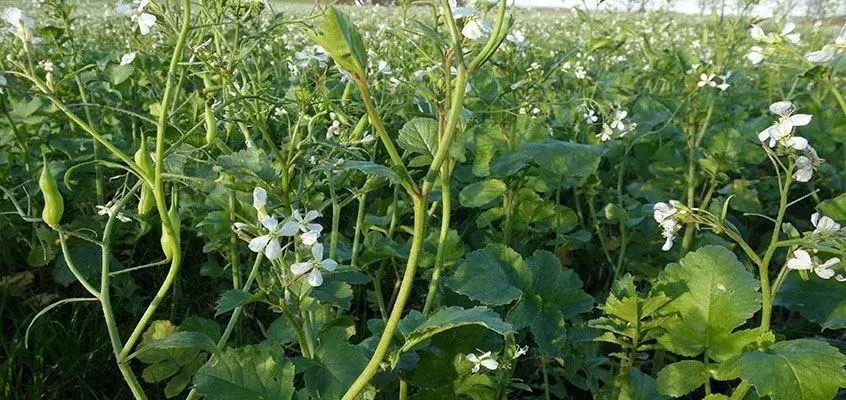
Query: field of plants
{"points": [[235, 199]]}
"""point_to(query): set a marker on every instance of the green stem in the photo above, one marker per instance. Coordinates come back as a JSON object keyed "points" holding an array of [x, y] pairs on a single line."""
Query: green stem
{"points": [[763, 268], [158, 190], [234, 251], [741, 390], [399, 305], [359, 221], [446, 209], [693, 141], [336, 219], [545, 378], [106, 302]]}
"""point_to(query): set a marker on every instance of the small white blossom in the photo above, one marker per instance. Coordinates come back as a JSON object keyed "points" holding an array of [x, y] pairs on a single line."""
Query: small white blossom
{"points": [[20, 25], [666, 216], [755, 55], [590, 116], [802, 260], [520, 351], [823, 224], [312, 267], [804, 169], [483, 360], [821, 56], [518, 39], [259, 198], [706, 80], [145, 21], [127, 58], [782, 132], [476, 29], [269, 243]]}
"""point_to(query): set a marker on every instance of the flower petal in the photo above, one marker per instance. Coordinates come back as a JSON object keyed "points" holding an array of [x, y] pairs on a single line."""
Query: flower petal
{"points": [[311, 216], [317, 251], [300, 268], [259, 198], [310, 238], [269, 222], [289, 228], [315, 278], [800, 119], [801, 260], [329, 264], [490, 364], [273, 250], [258, 243]]}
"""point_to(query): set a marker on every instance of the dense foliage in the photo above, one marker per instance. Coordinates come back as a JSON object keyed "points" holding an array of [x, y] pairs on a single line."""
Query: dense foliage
{"points": [[227, 200]]}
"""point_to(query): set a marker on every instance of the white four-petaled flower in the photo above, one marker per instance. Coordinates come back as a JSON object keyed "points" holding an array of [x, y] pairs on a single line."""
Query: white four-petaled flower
{"points": [[666, 216], [310, 231], [145, 20], [823, 224], [312, 267], [483, 360], [802, 260], [269, 243], [782, 132]]}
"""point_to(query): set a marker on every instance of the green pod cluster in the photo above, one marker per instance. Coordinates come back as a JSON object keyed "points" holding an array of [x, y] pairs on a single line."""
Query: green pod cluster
{"points": [[54, 204], [170, 243], [147, 200]]}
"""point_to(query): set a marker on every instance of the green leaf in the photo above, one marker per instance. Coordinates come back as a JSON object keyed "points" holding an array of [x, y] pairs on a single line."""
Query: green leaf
{"points": [[179, 340], [336, 366], [416, 327], [834, 208], [479, 194], [343, 42], [681, 378], [554, 290], [802, 369], [493, 275], [822, 301], [639, 386], [713, 294], [369, 168], [420, 135], [247, 373], [565, 163], [234, 298]]}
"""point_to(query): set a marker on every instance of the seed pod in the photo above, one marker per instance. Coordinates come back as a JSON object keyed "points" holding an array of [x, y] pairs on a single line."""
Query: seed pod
{"points": [[54, 204], [142, 158], [170, 244], [211, 127]]}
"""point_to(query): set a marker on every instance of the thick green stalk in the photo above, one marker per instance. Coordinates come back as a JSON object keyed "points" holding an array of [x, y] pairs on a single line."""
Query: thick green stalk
{"points": [[446, 210], [158, 189], [763, 267], [693, 141], [106, 302], [399, 305]]}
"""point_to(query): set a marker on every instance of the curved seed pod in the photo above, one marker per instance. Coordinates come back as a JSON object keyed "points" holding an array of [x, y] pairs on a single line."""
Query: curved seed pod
{"points": [[142, 158], [211, 127], [170, 244], [54, 204]]}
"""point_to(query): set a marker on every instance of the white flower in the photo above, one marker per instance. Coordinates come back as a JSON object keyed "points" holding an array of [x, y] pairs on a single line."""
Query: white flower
{"points": [[706, 79], [483, 360], [605, 134], [127, 58], [787, 32], [823, 224], [804, 169], [617, 121], [666, 216], [758, 35], [755, 55], [144, 20], [367, 138], [269, 243], [590, 116], [520, 351], [821, 56], [21, 25], [463, 12], [259, 198], [802, 260], [310, 231], [109, 209], [383, 67], [782, 131], [518, 39], [315, 277], [476, 29]]}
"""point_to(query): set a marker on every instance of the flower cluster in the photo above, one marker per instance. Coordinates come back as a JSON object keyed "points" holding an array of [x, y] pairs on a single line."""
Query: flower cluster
{"points": [[667, 215], [827, 52], [145, 20], [618, 123], [782, 133], [758, 53], [805, 260], [298, 224], [708, 80]]}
